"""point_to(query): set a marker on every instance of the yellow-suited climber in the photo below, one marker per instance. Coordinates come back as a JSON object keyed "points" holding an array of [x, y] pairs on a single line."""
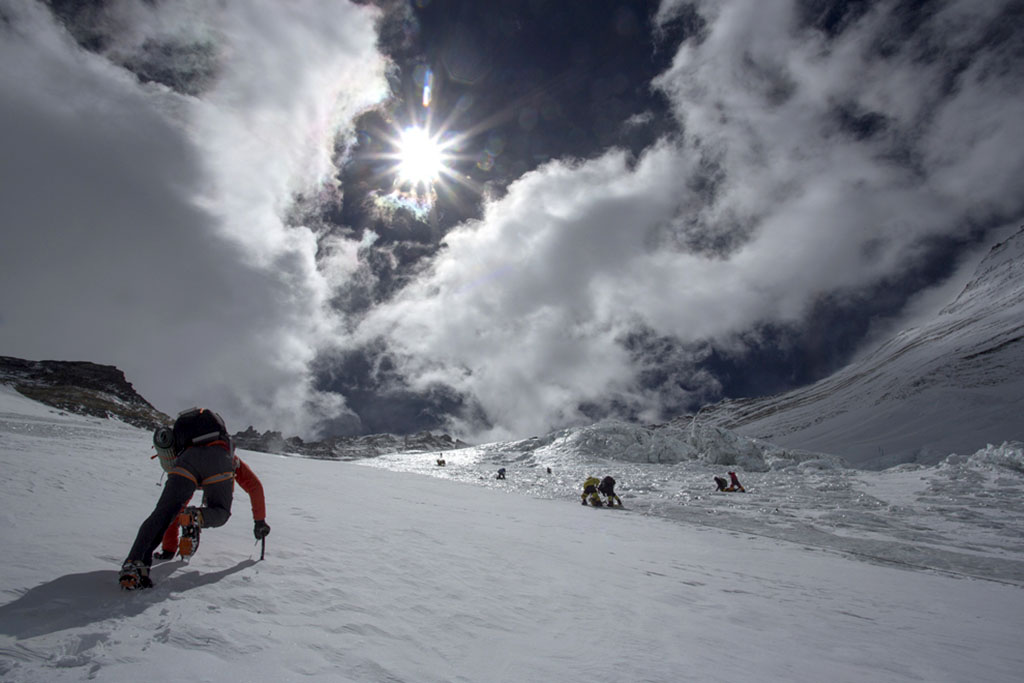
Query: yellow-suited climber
{"points": [[590, 490]]}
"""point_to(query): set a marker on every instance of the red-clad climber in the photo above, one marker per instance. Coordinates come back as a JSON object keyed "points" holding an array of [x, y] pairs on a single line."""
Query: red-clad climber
{"points": [[195, 453], [250, 483]]}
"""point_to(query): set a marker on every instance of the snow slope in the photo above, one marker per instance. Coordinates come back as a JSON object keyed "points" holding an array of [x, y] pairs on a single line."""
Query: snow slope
{"points": [[376, 575], [964, 516], [948, 386]]}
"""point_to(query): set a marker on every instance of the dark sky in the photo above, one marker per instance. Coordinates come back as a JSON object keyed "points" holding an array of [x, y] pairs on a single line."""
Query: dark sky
{"points": [[646, 206], [517, 84]]}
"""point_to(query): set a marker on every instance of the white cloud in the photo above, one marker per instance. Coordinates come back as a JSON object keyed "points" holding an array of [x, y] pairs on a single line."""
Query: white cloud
{"points": [[144, 228], [526, 307]]}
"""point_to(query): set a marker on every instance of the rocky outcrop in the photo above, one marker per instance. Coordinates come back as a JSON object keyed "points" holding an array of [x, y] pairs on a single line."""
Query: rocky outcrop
{"points": [[81, 387], [103, 391]]}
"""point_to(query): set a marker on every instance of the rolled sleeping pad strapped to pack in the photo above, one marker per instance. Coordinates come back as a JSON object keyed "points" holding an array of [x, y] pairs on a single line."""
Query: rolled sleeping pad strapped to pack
{"points": [[163, 441], [163, 437]]}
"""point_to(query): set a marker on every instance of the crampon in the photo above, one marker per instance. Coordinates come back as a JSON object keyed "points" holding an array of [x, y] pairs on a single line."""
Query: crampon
{"points": [[190, 520], [134, 576]]}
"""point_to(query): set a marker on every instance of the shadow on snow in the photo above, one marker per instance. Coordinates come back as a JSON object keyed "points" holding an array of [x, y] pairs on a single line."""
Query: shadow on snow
{"points": [[76, 600]]}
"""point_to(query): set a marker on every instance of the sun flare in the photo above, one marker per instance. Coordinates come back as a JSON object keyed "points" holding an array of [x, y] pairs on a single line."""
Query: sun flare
{"points": [[421, 159]]}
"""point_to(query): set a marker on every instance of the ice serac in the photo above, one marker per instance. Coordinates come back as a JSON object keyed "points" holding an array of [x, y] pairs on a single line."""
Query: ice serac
{"points": [[951, 385], [345, 447]]}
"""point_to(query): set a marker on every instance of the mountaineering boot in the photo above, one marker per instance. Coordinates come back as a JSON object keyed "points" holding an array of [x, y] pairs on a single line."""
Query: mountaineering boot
{"points": [[191, 521], [133, 576], [164, 554]]}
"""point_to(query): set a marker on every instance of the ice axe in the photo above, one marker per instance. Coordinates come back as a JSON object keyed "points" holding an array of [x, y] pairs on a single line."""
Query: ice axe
{"points": [[261, 529]]}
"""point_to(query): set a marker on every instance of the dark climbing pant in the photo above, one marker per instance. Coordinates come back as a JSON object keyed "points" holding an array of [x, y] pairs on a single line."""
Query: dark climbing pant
{"points": [[211, 465]]}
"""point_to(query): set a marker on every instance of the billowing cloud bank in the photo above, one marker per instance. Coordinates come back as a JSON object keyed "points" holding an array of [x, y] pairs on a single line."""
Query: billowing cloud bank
{"points": [[156, 156], [152, 154], [815, 161]]}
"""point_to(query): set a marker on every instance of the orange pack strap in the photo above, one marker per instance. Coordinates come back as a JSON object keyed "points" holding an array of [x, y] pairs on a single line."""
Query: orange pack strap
{"points": [[217, 478], [213, 479], [182, 472]]}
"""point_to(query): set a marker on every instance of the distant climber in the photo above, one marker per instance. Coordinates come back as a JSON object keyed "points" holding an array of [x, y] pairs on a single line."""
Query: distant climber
{"points": [[729, 486], [501, 473], [441, 462], [607, 487], [590, 492]]}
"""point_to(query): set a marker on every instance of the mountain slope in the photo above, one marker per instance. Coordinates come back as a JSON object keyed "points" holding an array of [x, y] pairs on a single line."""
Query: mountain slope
{"points": [[376, 576], [951, 385], [86, 388]]}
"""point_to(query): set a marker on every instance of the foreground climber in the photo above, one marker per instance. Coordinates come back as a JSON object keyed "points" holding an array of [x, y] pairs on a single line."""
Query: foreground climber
{"points": [[201, 447], [189, 542]]}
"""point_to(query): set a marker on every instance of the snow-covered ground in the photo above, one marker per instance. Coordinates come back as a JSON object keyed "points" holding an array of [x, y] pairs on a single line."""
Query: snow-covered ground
{"points": [[378, 575], [964, 516]]}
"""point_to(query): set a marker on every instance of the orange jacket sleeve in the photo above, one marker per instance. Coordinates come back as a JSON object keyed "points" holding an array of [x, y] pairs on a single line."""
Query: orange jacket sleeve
{"points": [[251, 484]]}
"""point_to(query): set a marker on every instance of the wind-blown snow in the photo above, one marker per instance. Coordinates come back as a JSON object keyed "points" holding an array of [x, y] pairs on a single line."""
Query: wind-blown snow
{"points": [[376, 575]]}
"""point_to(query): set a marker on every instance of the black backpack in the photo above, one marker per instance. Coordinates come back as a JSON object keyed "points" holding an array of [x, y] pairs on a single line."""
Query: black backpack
{"points": [[197, 426]]}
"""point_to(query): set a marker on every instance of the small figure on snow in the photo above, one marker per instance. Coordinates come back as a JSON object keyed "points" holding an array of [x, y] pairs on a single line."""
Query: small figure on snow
{"points": [[607, 487], [201, 447], [441, 462], [590, 492], [501, 473], [731, 486]]}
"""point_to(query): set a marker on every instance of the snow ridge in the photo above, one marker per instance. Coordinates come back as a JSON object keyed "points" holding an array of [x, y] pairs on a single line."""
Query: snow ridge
{"points": [[951, 385]]}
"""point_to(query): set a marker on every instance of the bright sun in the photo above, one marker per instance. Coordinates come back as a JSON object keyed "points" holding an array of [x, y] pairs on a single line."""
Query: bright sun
{"points": [[420, 158]]}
